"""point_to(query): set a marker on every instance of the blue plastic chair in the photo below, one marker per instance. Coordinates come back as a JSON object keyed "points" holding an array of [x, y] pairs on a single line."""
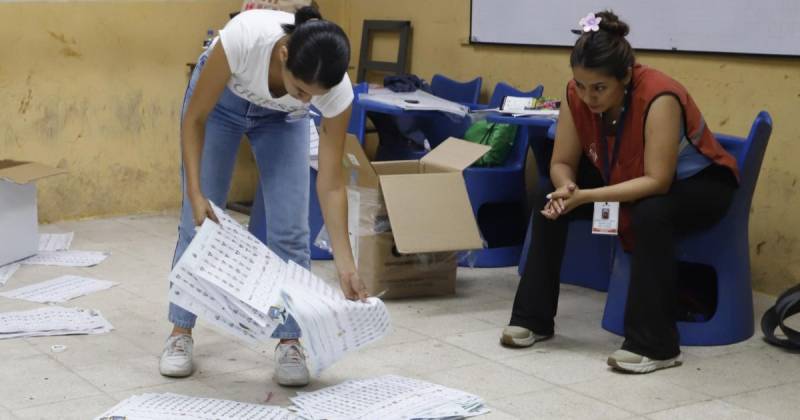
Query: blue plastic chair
{"points": [[724, 247], [587, 257], [258, 225], [501, 184], [452, 90]]}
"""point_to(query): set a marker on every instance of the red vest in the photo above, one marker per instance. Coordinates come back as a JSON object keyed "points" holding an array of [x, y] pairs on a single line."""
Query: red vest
{"points": [[647, 84]]}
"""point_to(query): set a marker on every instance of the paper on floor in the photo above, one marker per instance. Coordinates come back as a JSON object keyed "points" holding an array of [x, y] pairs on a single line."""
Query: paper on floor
{"points": [[67, 258], [387, 397], [52, 320], [60, 289], [7, 271], [241, 287], [55, 241], [168, 406]]}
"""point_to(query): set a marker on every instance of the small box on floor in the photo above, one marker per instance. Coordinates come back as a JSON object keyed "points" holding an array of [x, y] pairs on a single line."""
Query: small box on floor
{"points": [[412, 217], [19, 222]]}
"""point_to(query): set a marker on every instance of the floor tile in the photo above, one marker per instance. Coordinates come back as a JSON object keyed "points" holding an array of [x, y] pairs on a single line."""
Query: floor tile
{"points": [[77, 409], [38, 380], [489, 380], [558, 404], [708, 410], [780, 402]]}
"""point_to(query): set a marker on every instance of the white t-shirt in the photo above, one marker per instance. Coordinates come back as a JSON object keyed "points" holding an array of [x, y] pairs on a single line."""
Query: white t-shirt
{"points": [[248, 40]]}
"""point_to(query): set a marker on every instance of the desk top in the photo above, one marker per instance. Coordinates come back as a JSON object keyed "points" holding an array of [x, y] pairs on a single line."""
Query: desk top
{"points": [[531, 121]]}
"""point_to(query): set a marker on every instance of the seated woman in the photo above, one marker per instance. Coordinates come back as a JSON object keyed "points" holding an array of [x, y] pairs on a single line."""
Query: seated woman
{"points": [[633, 135]]}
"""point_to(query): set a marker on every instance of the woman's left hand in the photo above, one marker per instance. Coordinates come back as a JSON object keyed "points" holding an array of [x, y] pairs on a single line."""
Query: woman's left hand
{"points": [[352, 286]]}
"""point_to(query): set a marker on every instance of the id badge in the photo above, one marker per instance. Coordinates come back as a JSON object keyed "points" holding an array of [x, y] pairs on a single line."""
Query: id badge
{"points": [[606, 218]]}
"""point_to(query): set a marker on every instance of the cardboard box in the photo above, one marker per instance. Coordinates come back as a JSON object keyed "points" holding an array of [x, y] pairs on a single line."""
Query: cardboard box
{"points": [[19, 224], [412, 216]]}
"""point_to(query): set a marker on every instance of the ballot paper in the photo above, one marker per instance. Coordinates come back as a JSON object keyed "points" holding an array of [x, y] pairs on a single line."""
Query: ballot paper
{"points": [[55, 241], [234, 282], [67, 258], [331, 324], [7, 271], [60, 289], [387, 397], [168, 406], [52, 320]]}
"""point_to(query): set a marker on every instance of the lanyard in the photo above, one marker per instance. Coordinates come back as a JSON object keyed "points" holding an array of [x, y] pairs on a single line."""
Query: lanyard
{"points": [[608, 164]]}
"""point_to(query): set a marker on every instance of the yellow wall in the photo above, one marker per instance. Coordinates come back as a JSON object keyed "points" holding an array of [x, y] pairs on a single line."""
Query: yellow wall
{"points": [[729, 89], [95, 87]]}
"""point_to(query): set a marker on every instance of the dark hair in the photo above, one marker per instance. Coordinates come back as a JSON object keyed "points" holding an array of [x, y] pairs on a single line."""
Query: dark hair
{"points": [[319, 51], [606, 50]]}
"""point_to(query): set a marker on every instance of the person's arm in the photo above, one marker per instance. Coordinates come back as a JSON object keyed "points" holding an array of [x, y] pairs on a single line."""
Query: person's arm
{"points": [[213, 78], [332, 192], [662, 131], [563, 164]]}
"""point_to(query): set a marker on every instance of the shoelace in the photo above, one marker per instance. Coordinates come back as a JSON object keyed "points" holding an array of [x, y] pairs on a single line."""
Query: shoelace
{"points": [[292, 354], [178, 346]]}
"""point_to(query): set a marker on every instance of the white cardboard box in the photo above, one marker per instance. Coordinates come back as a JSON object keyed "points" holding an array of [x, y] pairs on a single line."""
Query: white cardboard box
{"points": [[19, 224]]}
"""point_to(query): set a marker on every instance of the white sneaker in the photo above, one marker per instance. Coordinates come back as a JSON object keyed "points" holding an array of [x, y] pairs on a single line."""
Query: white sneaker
{"points": [[290, 365], [635, 363], [514, 336], [176, 360]]}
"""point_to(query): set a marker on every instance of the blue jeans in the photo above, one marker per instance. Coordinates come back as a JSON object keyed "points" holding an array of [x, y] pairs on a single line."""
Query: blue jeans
{"points": [[281, 153]]}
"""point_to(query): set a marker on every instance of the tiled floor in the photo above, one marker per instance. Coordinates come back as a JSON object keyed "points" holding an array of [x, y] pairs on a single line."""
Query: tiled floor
{"points": [[452, 341]]}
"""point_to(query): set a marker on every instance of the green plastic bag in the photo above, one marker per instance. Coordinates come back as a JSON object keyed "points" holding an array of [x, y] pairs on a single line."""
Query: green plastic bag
{"points": [[500, 137]]}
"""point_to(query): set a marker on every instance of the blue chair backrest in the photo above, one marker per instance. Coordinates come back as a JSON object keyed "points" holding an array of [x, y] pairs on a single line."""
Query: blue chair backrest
{"points": [[357, 116], [519, 153], [749, 154], [501, 90], [452, 90]]}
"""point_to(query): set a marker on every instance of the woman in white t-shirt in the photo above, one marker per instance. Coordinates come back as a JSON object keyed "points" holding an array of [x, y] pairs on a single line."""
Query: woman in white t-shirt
{"points": [[257, 79]]}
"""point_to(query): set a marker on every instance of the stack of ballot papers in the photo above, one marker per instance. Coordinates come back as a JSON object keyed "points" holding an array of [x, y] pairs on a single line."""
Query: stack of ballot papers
{"points": [[60, 289], [387, 397], [234, 282], [52, 320], [169, 406]]}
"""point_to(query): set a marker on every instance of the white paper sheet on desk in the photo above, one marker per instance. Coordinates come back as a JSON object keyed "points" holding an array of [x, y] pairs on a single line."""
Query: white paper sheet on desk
{"points": [[548, 113], [52, 320], [417, 100], [332, 325], [387, 397], [67, 258], [55, 241], [168, 406], [59, 289], [7, 271]]}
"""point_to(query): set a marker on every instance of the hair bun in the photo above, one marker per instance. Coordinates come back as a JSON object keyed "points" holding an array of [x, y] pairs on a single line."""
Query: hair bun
{"points": [[304, 14], [612, 24]]}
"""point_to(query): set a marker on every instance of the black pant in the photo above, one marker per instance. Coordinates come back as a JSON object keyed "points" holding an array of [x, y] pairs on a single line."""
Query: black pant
{"points": [[650, 330]]}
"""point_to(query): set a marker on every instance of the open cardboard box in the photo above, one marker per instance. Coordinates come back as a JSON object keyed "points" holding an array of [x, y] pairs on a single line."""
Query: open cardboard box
{"points": [[19, 224], [430, 214]]}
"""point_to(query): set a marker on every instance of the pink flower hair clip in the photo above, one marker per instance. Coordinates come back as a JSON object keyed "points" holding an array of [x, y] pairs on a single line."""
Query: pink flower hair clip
{"points": [[590, 23]]}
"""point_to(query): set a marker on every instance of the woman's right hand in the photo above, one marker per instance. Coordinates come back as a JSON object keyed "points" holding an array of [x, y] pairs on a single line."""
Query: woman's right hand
{"points": [[201, 208], [555, 204]]}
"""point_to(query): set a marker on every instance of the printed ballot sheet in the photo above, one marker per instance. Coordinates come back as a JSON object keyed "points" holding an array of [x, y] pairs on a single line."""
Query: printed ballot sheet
{"points": [[67, 258], [234, 282], [7, 271], [60, 289], [55, 241], [52, 320], [168, 406], [387, 397], [331, 324]]}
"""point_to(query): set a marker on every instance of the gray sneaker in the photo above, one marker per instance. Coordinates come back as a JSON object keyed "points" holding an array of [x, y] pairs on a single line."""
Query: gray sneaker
{"points": [[514, 336], [176, 360], [290, 365], [635, 363]]}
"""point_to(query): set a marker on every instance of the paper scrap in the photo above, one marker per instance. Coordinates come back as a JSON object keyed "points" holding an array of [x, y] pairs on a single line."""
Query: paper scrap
{"points": [[52, 320], [7, 271], [55, 241]]}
